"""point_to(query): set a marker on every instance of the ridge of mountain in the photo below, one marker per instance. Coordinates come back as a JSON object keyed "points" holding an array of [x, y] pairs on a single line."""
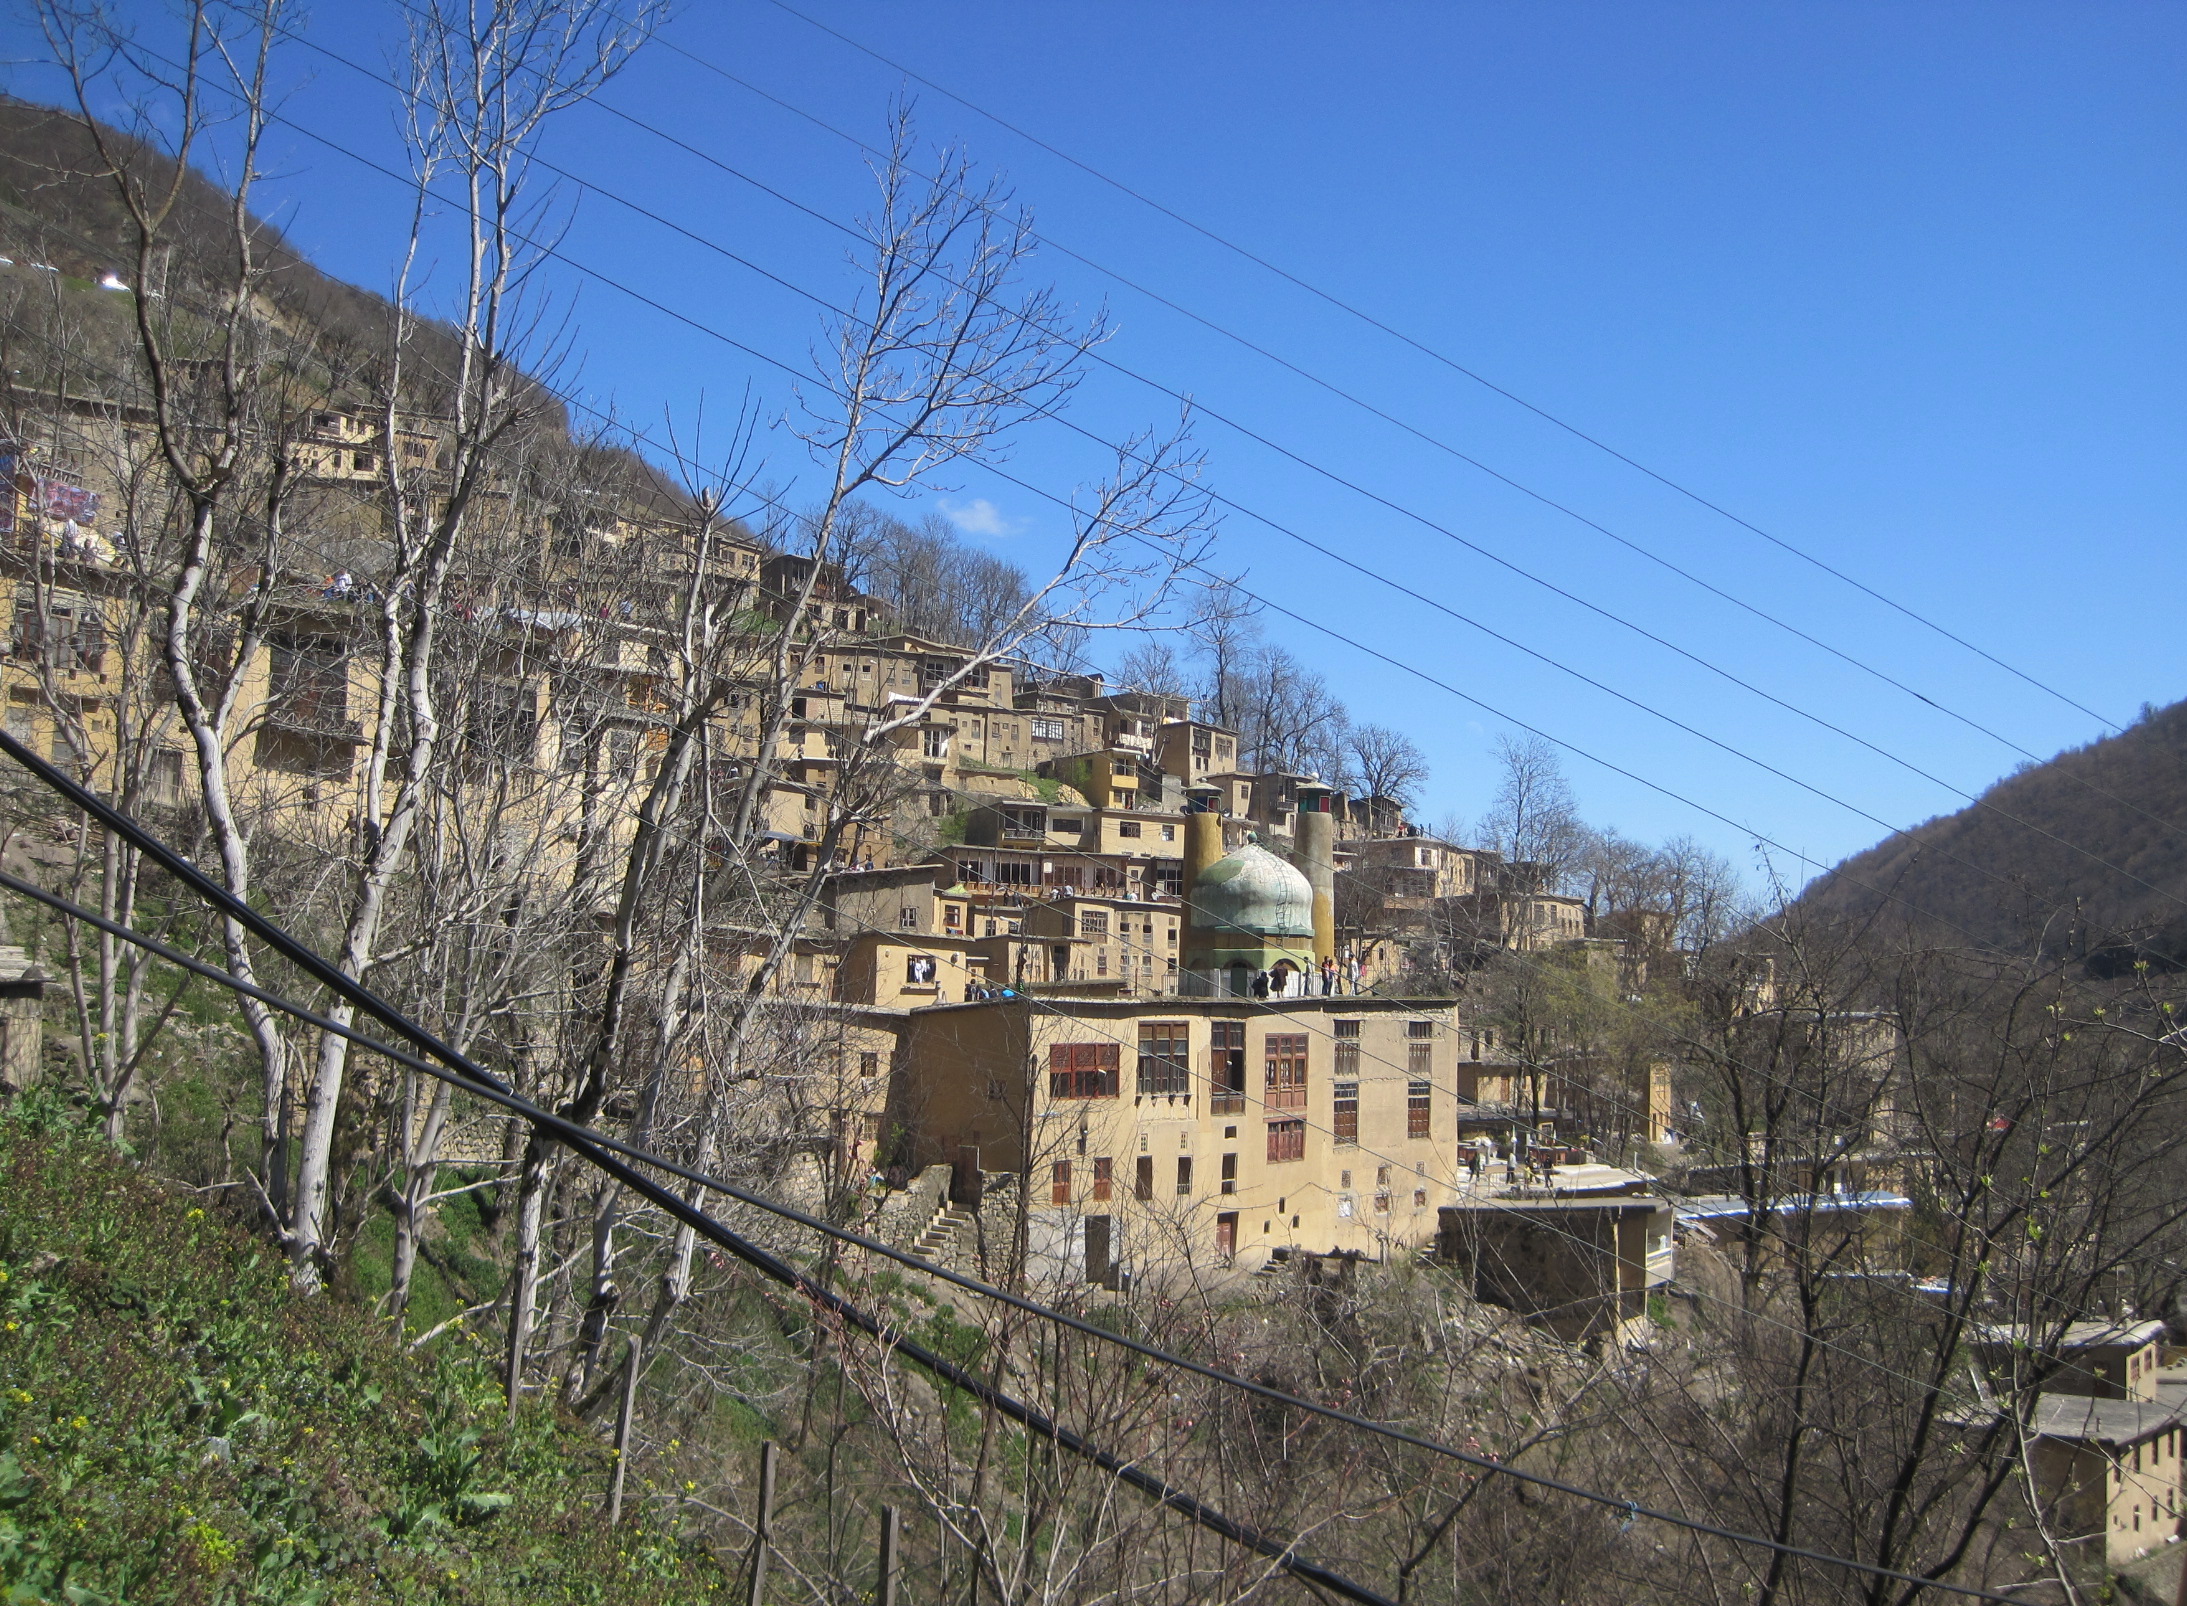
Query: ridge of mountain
{"points": [[1991, 875]]}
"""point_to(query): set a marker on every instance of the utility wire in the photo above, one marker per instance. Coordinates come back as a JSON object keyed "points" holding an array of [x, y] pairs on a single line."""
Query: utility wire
{"points": [[605, 1153], [1050, 243], [776, 503], [1437, 356], [1210, 576], [706, 242], [1213, 578], [735, 344], [1406, 1165]]}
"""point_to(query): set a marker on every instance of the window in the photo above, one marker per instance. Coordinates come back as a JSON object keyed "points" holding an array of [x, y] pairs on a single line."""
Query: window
{"points": [[1230, 1173], [1169, 833], [1127, 828], [1082, 1070], [1102, 1168], [1285, 1053], [1226, 1066], [1184, 1176], [1059, 1183], [1165, 1066], [920, 970], [1382, 1204], [1419, 1107], [934, 742], [1143, 1179], [1419, 1059], [1347, 1049], [907, 918], [1093, 923], [1048, 730], [1286, 1141], [869, 1064], [1346, 1122], [1419, 1028], [310, 690]]}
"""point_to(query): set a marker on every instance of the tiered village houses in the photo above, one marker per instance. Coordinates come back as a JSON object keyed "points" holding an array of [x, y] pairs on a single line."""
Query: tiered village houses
{"points": [[1123, 964]]}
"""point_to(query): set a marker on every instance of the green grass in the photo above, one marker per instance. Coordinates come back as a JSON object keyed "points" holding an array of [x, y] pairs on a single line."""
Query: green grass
{"points": [[177, 1426]]}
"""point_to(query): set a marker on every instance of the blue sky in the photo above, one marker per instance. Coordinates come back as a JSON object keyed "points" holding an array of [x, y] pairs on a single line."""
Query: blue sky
{"points": [[1898, 284]]}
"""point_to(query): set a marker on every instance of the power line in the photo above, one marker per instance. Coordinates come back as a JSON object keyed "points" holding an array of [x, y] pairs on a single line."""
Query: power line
{"points": [[626, 289], [1213, 578], [1440, 357], [738, 345], [601, 1152], [1049, 242], [461, 1071], [1036, 490], [1976, 799], [1516, 1206], [1333, 555]]}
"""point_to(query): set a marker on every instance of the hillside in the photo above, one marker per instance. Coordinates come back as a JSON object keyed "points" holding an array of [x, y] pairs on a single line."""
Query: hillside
{"points": [[1990, 873], [63, 230], [175, 1425]]}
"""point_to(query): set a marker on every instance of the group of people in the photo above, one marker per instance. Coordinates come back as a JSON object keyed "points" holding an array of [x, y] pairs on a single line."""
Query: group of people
{"points": [[342, 586], [81, 545], [1331, 979]]}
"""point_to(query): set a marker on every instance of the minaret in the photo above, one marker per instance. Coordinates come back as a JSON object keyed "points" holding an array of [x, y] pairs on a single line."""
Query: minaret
{"points": [[1314, 850]]}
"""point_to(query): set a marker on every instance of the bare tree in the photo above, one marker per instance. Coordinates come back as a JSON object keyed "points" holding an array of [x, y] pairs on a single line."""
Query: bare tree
{"points": [[1382, 762], [483, 85], [942, 357], [1155, 666], [1533, 819]]}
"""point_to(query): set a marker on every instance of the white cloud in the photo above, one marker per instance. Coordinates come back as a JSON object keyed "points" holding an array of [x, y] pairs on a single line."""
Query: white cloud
{"points": [[980, 517]]}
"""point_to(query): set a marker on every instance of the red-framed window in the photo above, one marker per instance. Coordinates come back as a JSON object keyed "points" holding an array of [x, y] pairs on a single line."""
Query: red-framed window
{"points": [[1285, 1053], [1082, 1070]]}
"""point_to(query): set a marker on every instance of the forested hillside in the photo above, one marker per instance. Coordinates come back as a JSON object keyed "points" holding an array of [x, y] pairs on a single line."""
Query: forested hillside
{"points": [[2085, 853]]}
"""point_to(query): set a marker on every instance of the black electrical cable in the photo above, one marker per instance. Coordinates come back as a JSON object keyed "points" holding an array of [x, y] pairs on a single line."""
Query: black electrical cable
{"points": [[598, 1149], [594, 1148]]}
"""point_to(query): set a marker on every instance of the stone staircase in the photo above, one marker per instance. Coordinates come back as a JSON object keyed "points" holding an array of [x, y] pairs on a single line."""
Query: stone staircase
{"points": [[944, 1236]]}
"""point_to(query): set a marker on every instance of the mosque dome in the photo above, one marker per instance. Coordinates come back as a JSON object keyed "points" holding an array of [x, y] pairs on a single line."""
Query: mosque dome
{"points": [[1252, 893]]}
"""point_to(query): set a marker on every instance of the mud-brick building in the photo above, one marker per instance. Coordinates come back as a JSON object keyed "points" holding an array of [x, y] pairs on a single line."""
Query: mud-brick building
{"points": [[1161, 1136]]}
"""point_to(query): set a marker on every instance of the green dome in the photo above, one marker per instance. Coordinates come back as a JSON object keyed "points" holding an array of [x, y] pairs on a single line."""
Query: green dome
{"points": [[1252, 893]]}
